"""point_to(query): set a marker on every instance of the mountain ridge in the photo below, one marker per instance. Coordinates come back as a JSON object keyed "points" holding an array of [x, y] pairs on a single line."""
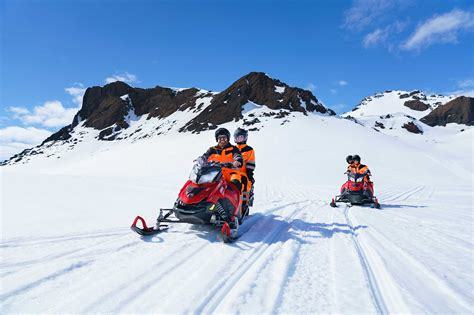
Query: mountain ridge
{"points": [[117, 111]]}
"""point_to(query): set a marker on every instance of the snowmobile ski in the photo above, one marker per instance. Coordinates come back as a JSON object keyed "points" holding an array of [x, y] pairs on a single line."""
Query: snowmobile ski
{"points": [[145, 230]]}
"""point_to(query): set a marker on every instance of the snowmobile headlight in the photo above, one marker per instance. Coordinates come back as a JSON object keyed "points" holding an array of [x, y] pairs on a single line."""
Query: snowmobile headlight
{"points": [[207, 178]]}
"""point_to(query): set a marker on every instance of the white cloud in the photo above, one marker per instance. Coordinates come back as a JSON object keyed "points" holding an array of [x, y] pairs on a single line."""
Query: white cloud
{"points": [[15, 139], [469, 93], [50, 114], [465, 88], [464, 92], [342, 82], [376, 37], [29, 135], [77, 92], [467, 83], [124, 77], [310, 87], [18, 110], [443, 28], [381, 36], [333, 91], [363, 13]]}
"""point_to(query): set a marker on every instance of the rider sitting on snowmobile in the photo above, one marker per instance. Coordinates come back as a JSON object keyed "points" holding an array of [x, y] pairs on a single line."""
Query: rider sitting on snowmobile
{"points": [[224, 152], [357, 168], [248, 167], [350, 161]]}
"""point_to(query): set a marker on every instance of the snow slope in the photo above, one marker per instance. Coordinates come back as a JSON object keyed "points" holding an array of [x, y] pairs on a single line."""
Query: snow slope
{"points": [[386, 112], [66, 246], [392, 102]]}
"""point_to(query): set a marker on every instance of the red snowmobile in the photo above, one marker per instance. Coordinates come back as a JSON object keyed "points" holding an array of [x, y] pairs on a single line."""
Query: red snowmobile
{"points": [[356, 191], [206, 198]]}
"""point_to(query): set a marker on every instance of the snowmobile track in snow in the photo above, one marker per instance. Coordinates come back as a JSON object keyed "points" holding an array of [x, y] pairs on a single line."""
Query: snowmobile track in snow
{"points": [[82, 251], [375, 292], [418, 271], [217, 294]]}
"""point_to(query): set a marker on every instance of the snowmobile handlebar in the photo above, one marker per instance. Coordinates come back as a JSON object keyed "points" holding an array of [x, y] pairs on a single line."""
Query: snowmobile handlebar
{"points": [[363, 174], [226, 165]]}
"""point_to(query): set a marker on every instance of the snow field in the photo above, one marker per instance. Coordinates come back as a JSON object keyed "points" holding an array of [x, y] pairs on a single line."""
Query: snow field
{"points": [[66, 246]]}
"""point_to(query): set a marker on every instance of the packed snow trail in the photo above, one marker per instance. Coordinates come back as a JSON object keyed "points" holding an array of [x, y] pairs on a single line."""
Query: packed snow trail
{"points": [[67, 247], [377, 297], [294, 250]]}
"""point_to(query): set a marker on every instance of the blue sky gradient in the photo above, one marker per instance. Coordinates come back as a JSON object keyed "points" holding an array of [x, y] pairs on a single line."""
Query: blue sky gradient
{"points": [[48, 46]]}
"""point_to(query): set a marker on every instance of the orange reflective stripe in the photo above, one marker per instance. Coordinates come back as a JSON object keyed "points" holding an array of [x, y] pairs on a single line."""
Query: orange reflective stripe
{"points": [[225, 155], [248, 155]]}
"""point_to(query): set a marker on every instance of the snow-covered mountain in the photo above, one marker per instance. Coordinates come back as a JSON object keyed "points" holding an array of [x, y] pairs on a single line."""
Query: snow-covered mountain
{"points": [[118, 111], [67, 248], [398, 112]]}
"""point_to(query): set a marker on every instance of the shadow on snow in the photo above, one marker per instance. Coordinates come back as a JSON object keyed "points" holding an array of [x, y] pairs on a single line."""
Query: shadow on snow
{"points": [[388, 206], [270, 229]]}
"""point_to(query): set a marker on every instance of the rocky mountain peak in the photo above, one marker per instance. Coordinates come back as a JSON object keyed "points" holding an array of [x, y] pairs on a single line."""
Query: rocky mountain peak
{"points": [[460, 110], [257, 88]]}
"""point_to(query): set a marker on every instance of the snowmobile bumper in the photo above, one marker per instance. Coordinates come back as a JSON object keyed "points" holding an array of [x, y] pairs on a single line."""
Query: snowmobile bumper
{"points": [[195, 214], [355, 198]]}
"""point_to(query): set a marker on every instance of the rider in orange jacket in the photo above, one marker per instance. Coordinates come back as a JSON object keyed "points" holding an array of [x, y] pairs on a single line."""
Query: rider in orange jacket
{"points": [[248, 168], [224, 152], [356, 167]]}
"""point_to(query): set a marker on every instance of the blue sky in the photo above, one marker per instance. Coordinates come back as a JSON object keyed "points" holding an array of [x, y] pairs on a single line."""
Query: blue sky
{"points": [[341, 50]]}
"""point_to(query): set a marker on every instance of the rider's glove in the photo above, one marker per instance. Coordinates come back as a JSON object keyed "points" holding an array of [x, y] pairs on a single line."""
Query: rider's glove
{"points": [[200, 160]]}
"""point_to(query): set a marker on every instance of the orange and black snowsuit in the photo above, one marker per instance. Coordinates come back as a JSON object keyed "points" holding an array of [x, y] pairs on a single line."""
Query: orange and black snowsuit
{"points": [[228, 154], [248, 167], [360, 169]]}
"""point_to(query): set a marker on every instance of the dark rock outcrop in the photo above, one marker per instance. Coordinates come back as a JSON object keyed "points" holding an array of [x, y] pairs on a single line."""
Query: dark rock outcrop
{"points": [[459, 110], [379, 125], [412, 127], [416, 105], [260, 89], [102, 101], [161, 102], [111, 110], [104, 106], [62, 134]]}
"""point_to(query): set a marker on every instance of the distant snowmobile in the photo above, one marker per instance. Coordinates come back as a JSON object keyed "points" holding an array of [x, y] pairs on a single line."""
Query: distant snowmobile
{"points": [[356, 191], [206, 198]]}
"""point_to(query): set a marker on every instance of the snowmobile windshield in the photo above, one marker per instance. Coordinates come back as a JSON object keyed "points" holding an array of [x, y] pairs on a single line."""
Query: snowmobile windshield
{"points": [[356, 178], [204, 174]]}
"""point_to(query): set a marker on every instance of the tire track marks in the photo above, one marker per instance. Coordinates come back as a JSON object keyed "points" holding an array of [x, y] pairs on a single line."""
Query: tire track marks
{"points": [[375, 292], [223, 288], [419, 273]]}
